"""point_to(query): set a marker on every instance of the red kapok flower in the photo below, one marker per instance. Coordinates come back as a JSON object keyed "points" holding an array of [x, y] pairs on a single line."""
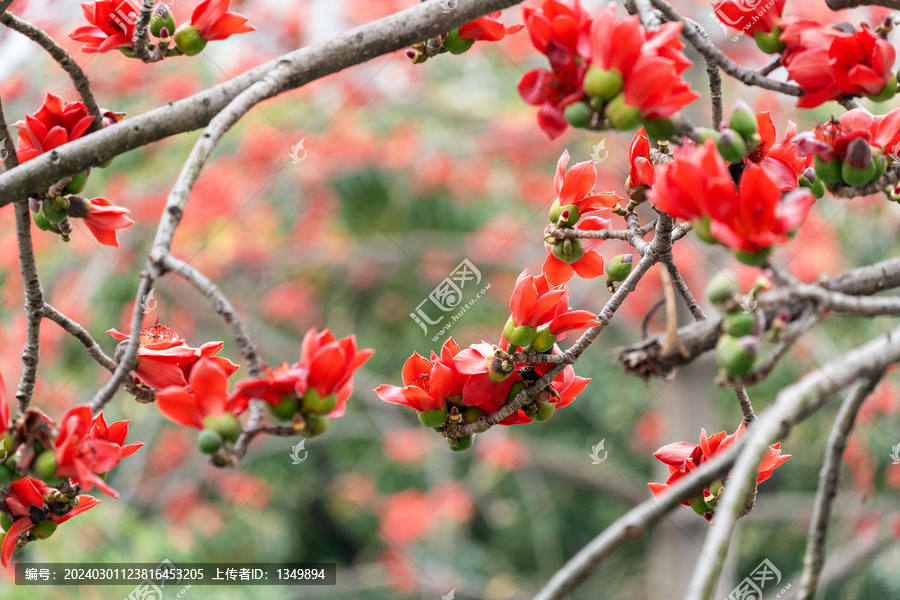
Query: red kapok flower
{"points": [[588, 266], [749, 17], [53, 125], [481, 389], [427, 385], [642, 172], [685, 186], [205, 396], [782, 162], [488, 28], [214, 22], [104, 219], [576, 188], [115, 433], [81, 455], [535, 303], [111, 25], [331, 363], [25, 502]]}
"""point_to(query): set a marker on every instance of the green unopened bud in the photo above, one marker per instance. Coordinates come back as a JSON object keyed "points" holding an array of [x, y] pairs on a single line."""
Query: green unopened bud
{"points": [[470, 414], [51, 212], [286, 409], [44, 530], [770, 43], [77, 184], [732, 146], [44, 465], [662, 129], [722, 288], [434, 417], [699, 505], [579, 114], [570, 251], [463, 443], [5, 521], [602, 83], [858, 177], [522, 335], [569, 216], [226, 425], [161, 18], [622, 116], [208, 441], [41, 221], [545, 410], [828, 171], [754, 259], [736, 355], [708, 134], [189, 41], [515, 390], [315, 425], [742, 120], [738, 324], [543, 341], [880, 164], [496, 369], [890, 89], [455, 45], [313, 402], [619, 268]]}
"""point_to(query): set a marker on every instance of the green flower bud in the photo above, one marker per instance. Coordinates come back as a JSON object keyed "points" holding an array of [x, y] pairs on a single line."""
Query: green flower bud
{"points": [[890, 89], [285, 410], [226, 425], [738, 324], [543, 341], [569, 251], [208, 441], [622, 116], [732, 146], [455, 45], [522, 336], [41, 221], [858, 177], [742, 120], [497, 368], [188, 40], [579, 114], [44, 530], [314, 403], [315, 425], [736, 355], [44, 465], [708, 134], [770, 43], [126, 51], [699, 505], [52, 213], [662, 129], [545, 410], [880, 164], [515, 390], [619, 268], [602, 83], [754, 259], [5, 521], [569, 216], [77, 184], [556, 210], [161, 17], [828, 172], [470, 414], [460, 444], [722, 288], [434, 418]]}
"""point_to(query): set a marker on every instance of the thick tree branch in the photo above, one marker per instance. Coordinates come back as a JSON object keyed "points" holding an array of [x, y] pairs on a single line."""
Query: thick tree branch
{"points": [[814, 559], [359, 45]]}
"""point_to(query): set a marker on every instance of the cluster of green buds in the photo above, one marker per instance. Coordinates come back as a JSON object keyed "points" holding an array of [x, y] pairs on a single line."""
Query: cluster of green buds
{"points": [[530, 339], [52, 214], [499, 366], [618, 269], [567, 250], [705, 504], [741, 326], [604, 107], [171, 39], [219, 432], [307, 413], [739, 139], [453, 415], [862, 164]]}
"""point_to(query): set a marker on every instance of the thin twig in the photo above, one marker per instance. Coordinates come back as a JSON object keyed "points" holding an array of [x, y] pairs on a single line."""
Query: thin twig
{"points": [[766, 70], [715, 79], [142, 31], [685, 291], [814, 558], [746, 406]]}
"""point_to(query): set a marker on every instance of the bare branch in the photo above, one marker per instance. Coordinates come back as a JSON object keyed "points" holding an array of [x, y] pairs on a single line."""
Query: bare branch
{"points": [[685, 291], [142, 31], [746, 406], [714, 76]]}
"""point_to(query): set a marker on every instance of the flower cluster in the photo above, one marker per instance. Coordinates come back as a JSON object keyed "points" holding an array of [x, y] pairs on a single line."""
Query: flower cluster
{"points": [[605, 72], [685, 457], [762, 22], [113, 22]]}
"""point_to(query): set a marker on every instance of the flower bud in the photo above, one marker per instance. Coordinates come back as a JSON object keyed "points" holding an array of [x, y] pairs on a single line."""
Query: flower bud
{"points": [[722, 288], [622, 116], [736, 355], [521, 336], [602, 83], [44, 529], [742, 120], [770, 43], [313, 402], [51, 212], [472, 413], [699, 506], [315, 425], [619, 268], [208, 441], [496, 368], [545, 410], [579, 114], [434, 417], [78, 207], [738, 324], [569, 251], [662, 129], [828, 171], [226, 425], [515, 390], [188, 40], [77, 184], [543, 341], [555, 213], [162, 18], [455, 45], [44, 466], [5, 521], [890, 89], [285, 410], [460, 444], [754, 259], [732, 146], [708, 134], [858, 168]]}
